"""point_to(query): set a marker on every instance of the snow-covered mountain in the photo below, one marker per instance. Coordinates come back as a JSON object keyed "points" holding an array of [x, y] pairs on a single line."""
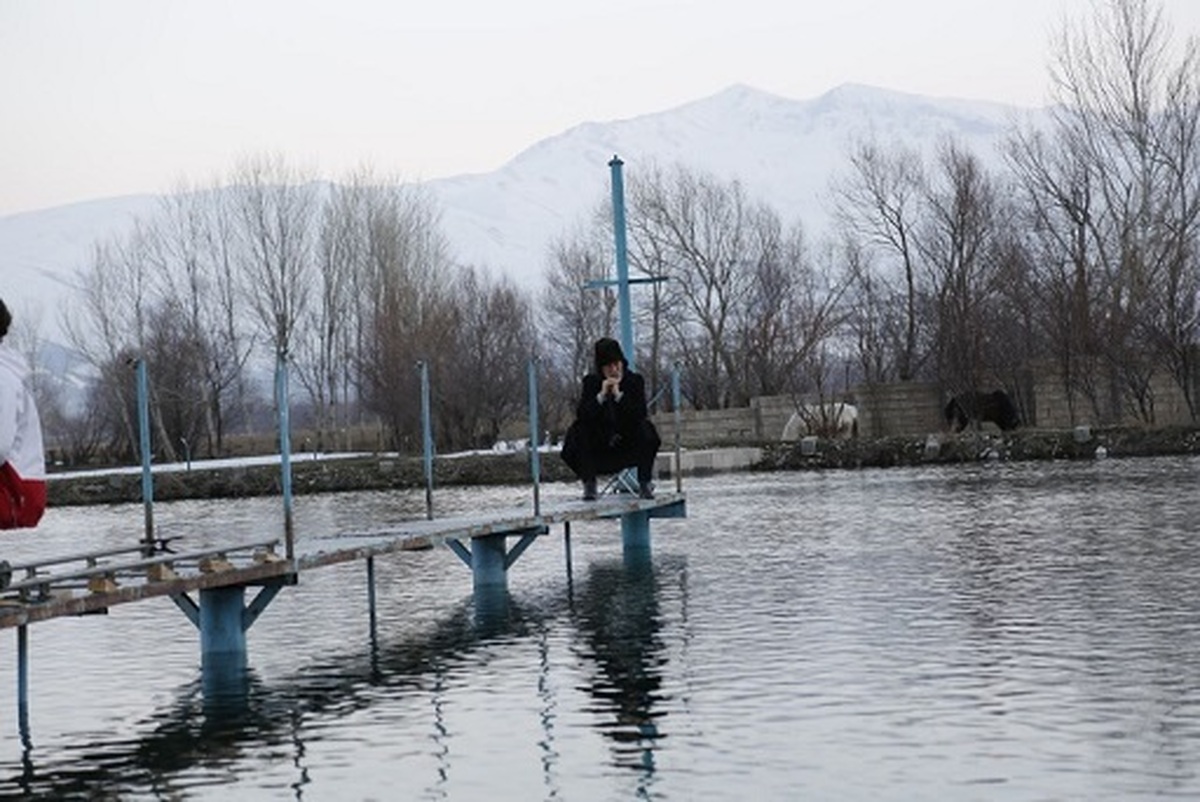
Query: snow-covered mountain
{"points": [[783, 151]]}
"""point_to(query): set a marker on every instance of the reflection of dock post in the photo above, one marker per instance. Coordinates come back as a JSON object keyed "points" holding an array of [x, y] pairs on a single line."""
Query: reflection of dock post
{"points": [[23, 680]]}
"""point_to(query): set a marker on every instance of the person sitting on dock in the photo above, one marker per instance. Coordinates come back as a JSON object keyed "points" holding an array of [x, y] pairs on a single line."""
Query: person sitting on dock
{"points": [[611, 430], [22, 460]]}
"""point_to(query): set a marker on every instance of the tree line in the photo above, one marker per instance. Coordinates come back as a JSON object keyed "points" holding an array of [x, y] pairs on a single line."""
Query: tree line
{"points": [[1078, 254]]}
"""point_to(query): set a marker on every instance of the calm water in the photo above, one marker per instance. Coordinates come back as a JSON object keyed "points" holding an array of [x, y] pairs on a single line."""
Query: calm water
{"points": [[992, 632]]}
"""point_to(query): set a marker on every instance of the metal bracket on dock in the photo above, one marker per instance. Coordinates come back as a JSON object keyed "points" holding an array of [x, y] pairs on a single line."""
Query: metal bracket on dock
{"points": [[251, 612], [489, 557]]}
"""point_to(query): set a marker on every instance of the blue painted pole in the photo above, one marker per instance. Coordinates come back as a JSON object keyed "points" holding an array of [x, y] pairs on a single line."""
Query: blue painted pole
{"points": [[487, 562], [676, 399], [23, 679], [283, 405], [535, 456], [623, 302], [143, 400], [635, 535], [222, 632], [427, 437]]}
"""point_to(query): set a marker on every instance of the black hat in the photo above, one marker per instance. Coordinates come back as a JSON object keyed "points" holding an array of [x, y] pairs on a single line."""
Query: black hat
{"points": [[5, 320], [608, 351]]}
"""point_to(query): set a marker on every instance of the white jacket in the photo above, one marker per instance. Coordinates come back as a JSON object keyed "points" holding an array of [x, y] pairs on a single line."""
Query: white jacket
{"points": [[20, 429]]}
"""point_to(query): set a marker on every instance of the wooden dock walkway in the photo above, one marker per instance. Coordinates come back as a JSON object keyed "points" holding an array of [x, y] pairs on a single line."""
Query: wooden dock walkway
{"points": [[93, 582]]}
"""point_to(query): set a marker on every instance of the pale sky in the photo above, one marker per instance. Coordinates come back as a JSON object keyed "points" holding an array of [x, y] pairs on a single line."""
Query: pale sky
{"points": [[100, 98]]}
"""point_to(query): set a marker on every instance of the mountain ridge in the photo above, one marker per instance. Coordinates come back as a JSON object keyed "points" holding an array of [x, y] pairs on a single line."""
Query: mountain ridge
{"points": [[784, 152]]}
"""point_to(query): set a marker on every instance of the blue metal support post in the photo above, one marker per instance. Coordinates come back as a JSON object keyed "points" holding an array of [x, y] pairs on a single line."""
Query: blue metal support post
{"points": [[635, 526], [635, 533], [143, 401], [676, 398], [222, 632], [222, 615], [283, 405], [427, 437], [623, 302], [535, 464], [488, 561]]}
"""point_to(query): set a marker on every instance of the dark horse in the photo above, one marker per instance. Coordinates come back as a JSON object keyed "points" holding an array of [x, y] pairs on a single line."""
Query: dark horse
{"points": [[995, 406]]}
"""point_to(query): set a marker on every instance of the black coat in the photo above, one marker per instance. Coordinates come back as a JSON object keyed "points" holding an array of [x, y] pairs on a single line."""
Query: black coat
{"points": [[612, 424], [609, 435]]}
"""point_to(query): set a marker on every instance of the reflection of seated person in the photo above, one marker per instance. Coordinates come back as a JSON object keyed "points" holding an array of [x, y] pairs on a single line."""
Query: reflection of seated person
{"points": [[611, 430]]}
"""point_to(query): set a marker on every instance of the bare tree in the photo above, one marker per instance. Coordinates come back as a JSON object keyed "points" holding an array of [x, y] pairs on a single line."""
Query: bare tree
{"points": [[701, 226], [1112, 191], [409, 315], [574, 311], [193, 250], [276, 209], [330, 323], [110, 322], [879, 204], [483, 384], [875, 324], [958, 246]]}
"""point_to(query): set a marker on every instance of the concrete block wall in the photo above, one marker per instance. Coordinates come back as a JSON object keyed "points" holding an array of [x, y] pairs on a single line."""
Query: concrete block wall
{"points": [[709, 427], [762, 422], [774, 411], [897, 409], [1054, 412], [887, 410]]}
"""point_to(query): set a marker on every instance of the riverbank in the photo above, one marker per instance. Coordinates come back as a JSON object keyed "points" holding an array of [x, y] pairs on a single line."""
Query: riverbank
{"points": [[1020, 445], [337, 473]]}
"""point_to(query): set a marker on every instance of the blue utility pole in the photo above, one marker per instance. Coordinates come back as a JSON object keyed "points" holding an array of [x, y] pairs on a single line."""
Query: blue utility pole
{"points": [[623, 303]]}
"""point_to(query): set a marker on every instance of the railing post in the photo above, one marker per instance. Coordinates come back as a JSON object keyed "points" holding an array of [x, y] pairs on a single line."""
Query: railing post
{"points": [[675, 403], [535, 463], [143, 402], [282, 405], [426, 437]]}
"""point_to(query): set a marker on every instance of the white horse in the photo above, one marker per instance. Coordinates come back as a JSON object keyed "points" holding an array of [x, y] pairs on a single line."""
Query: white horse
{"points": [[832, 419]]}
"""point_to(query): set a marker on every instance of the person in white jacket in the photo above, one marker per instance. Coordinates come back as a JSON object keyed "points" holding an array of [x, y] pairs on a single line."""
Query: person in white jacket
{"points": [[22, 459]]}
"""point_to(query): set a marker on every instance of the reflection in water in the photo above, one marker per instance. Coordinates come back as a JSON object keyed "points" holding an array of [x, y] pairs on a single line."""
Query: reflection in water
{"points": [[1000, 632], [214, 722], [547, 715], [617, 615]]}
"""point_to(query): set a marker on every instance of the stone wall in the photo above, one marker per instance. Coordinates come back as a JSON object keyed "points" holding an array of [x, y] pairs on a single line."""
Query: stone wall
{"points": [[1053, 405], [761, 422], [908, 408], [887, 410], [710, 427]]}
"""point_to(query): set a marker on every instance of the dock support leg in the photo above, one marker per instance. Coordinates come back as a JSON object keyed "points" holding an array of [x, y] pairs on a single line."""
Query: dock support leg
{"points": [[222, 633], [635, 534], [488, 564], [223, 647]]}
